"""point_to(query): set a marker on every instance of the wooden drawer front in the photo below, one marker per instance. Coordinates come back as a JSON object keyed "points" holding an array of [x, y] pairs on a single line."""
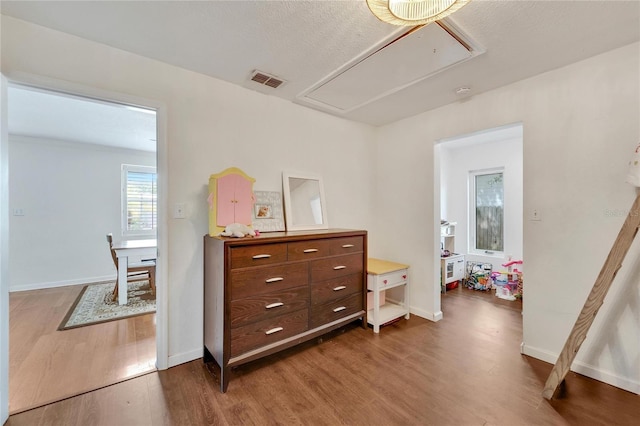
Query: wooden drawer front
{"points": [[346, 245], [261, 254], [334, 267], [256, 281], [257, 308], [268, 331], [389, 279], [328, 312], [311, 249], [326, 291]]}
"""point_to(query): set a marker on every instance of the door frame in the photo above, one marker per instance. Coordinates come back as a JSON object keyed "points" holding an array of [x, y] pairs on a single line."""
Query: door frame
{"points": [[64, 87], [4, 252], [476, 137]]}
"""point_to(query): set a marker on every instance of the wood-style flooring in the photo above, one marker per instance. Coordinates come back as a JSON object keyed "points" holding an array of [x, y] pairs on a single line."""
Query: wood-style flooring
{"points": [[463, 370], [47, 365]]}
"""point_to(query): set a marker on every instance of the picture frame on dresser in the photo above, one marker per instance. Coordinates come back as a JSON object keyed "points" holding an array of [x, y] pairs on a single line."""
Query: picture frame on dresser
{"points": [[305, 207], [268, 212]]}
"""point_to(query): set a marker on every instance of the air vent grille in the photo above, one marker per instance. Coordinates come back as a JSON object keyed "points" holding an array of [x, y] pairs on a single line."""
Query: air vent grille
{"points": [[266, 79]]}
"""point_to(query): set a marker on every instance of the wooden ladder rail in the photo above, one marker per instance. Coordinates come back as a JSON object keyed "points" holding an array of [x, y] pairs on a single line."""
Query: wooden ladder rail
{"points": [[594, 301]]}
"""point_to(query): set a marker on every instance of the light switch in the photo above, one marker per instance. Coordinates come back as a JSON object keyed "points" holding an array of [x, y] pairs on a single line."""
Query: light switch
{"points": [[535, 215], [18, 212]]}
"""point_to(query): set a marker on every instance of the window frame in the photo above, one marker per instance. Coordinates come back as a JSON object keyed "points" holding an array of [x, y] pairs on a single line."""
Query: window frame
{"points": [[124, 220], [472, 249]]}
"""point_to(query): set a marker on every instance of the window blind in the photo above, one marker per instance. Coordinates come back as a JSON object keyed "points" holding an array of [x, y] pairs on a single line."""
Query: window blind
{"points": [[141, 201]]}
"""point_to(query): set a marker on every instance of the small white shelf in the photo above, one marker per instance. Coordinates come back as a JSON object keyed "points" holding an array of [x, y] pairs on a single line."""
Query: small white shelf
{"points": [[448, 237], [383, 275], [388, 312]]}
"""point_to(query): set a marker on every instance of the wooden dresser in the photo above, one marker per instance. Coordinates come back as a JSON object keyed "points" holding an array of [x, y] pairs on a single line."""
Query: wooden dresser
{"points": [[268, 293]]}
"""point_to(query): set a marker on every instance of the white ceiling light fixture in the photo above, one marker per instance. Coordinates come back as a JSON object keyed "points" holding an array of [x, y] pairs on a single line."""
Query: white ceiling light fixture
{"points": [[413, 12]]}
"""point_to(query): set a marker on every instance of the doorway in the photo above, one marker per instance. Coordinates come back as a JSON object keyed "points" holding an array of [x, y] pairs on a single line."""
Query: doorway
{"points": [[65, 158], [481, 211]]}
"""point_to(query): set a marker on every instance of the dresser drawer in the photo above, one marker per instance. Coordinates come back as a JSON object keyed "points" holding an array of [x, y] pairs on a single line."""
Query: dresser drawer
{"points": [[328, 312], [268, 331], [261, 254], [334, 267], [337, 288], [257, 281], [303, 250], [346, 245], [258, 308]]}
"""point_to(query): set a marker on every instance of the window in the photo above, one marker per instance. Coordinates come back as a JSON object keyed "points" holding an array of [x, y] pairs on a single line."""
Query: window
{"points": [[139, 200], [486, 227]]}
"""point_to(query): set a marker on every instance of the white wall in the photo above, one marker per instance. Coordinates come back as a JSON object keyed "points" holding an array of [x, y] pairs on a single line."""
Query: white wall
{"points": [[580, 128], [211, 125], [71, 197], [455, 164]]}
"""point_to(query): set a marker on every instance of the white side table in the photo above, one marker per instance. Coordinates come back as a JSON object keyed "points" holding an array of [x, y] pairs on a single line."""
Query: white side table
{"points": [[383, 275]]}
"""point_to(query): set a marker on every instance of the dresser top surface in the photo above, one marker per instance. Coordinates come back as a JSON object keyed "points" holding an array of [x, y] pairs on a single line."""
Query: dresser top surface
{"points": [[274, 237]]}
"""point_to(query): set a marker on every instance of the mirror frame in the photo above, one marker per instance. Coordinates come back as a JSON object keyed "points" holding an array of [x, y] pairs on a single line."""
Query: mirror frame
{"points": [[288, 209]]}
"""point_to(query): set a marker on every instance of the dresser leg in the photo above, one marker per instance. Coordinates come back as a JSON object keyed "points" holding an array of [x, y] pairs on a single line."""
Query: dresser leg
{"points": [[224, 378]]}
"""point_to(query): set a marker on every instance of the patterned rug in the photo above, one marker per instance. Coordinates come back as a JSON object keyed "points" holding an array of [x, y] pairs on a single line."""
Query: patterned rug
{"points": [[95, 304]]}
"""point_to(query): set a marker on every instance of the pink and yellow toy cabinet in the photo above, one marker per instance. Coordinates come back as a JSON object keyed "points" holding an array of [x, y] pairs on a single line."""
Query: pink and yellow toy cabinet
{"points": [[230, 199]]}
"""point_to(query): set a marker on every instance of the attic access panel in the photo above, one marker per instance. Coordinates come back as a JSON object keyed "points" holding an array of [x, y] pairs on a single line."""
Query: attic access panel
{"points": [[405, 61]]}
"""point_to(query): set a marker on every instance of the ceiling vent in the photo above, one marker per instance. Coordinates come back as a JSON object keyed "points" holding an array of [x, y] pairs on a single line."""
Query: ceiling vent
{"points": [[266, 79]]}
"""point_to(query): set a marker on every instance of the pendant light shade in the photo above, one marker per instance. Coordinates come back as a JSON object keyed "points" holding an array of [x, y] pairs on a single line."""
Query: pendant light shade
{"points": [[413, 12]]}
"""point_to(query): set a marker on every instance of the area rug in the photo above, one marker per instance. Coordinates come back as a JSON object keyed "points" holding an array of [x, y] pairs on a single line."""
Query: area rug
{"points": [[95, 304]]}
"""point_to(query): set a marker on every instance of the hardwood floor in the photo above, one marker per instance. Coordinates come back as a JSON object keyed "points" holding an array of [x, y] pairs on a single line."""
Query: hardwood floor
{"points": [[463, 370], [47, 365]]}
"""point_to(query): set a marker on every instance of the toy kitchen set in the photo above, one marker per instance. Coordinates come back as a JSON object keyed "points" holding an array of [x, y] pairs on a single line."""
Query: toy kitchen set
{"points": [[451, 263]]}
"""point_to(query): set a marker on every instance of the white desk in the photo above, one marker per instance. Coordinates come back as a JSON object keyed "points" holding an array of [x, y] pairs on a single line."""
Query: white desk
{"points": [[123, 250]]}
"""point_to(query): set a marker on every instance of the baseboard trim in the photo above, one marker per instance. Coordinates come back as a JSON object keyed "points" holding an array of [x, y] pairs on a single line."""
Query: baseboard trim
{"points": [[586, 370], [435, 317], [64, 283], [184, 357]]}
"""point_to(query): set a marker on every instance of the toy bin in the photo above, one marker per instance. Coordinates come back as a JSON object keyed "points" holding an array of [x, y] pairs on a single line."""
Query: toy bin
{"points": [[478, 276]]}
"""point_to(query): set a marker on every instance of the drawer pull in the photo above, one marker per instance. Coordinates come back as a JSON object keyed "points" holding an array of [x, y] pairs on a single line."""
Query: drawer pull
{"points": [[340, 287], [273, 280], [340, 308], [274, 305], [347, 245], [339, 267], [273, 330], [262, 256], [310, 250]]}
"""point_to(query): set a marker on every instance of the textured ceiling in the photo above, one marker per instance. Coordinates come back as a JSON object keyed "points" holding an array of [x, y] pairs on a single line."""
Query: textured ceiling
{"points": [[306, 42]]}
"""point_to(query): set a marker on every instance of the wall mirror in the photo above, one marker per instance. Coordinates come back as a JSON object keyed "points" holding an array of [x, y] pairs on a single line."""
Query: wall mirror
{"points": [[304, 204]]}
